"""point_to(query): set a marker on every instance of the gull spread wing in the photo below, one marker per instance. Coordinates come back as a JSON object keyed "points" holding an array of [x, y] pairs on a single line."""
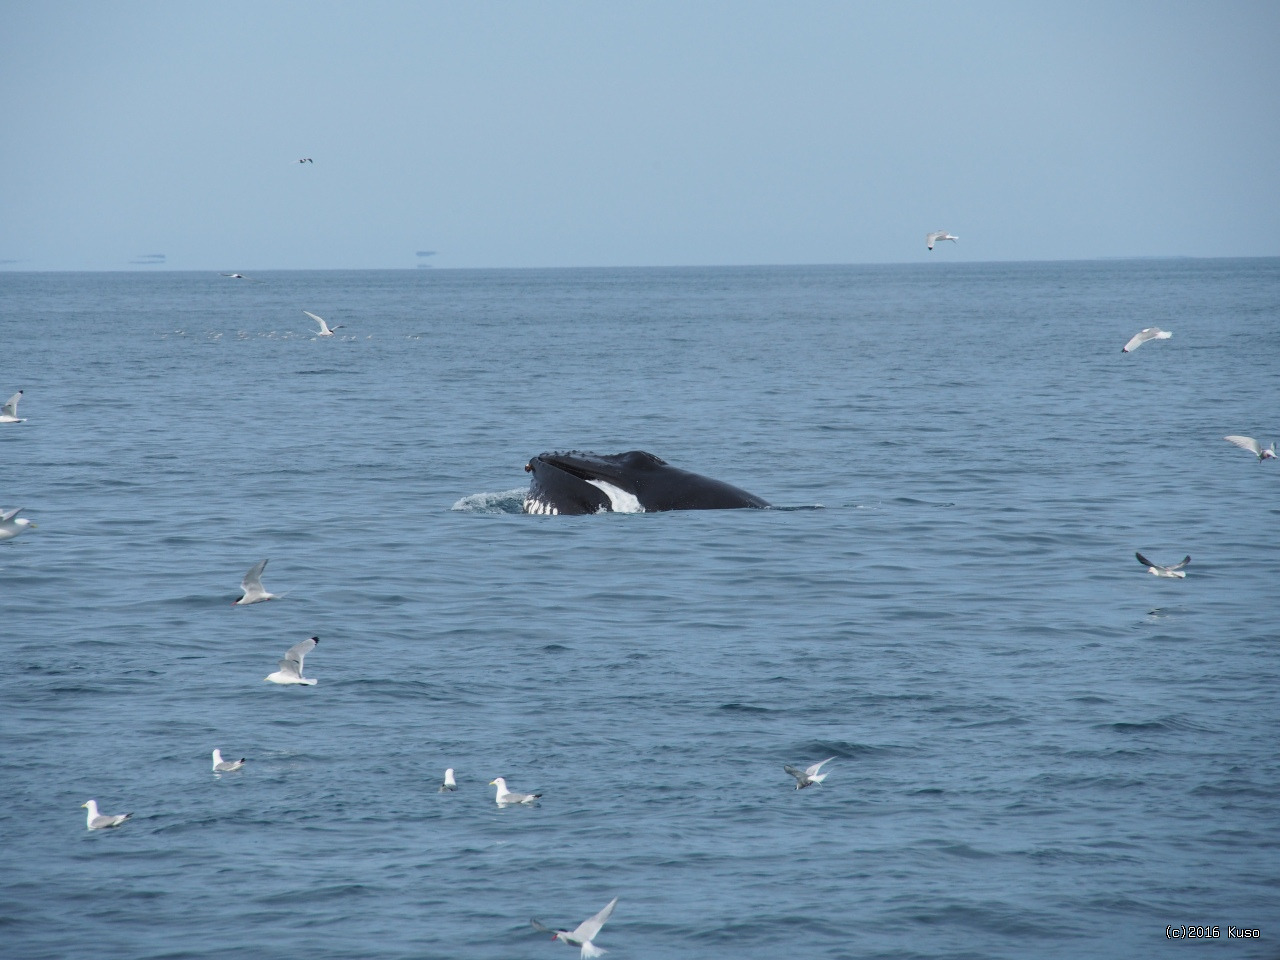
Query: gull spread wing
{"points": [[540, 926], [297, 652], [588, 929], [9, 515], [11, 405], [817, 766]]}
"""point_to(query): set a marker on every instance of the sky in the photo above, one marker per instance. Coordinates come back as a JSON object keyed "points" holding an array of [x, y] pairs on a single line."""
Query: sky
{"points": [[567, 133]]}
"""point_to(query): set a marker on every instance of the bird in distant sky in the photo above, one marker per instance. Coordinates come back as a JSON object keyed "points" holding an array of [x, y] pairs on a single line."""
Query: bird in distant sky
{"points": [[306, 160], [931, 238]]}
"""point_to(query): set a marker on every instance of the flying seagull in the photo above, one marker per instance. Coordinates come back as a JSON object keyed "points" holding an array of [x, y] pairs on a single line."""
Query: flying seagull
{"points": [[585, 932], [225, 766], [100, 821], [1253, 446], [325, 329], [505, 796], [9, 412], [11, 524], [306, 160], [931, 238], [1173, 571], [809, 775], [240, 276], [252, 586], [1142, 336], [291, 666], [449, 782]]}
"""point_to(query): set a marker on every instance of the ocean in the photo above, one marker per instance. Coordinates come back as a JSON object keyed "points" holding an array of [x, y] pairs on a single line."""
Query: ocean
{"points": [[1040, 750]]}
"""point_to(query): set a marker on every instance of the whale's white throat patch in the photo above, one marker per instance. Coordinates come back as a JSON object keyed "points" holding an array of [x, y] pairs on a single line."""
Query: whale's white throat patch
{"points": [[619, 500], [540, 507]]}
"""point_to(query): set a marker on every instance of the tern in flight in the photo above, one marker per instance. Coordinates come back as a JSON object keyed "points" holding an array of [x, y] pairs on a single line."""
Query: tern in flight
{"points": [[325, 330], [931, 238], [585, 932], [1253, 446], [252, 586], [809, 775]]}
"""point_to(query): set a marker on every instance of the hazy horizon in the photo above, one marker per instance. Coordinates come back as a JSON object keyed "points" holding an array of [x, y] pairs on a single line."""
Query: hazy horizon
{"points": [[147, 136]]}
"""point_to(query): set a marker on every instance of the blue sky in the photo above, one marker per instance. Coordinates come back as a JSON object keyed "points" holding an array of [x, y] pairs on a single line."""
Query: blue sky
{"points": [[657, 133]]}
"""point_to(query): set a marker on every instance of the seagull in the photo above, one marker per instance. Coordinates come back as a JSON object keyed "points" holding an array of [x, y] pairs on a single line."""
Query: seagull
{"points": [[1253, 446], [449, 782], [9, 412], [505, 796], [586, 931], [1173, 571], [11, 524], [252, 587], [291, 666], [306, 160], [100, 821], [325, 329], [931, 238], [241, 276], [809, 775], [1142, 336], [225, 766]]}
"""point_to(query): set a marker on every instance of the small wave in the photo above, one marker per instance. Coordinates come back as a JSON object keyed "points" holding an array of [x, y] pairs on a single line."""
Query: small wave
{"points": [[509, 501]]}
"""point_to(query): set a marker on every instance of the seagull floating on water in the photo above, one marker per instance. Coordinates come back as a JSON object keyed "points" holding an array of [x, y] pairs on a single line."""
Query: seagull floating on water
{"points": [[1142, 336], [1253, 446], [100, 821], [1174, 571], [505, 796], [9, 412], [449, 782], [11, 524], [931, 238], [809, 775], [252, 587], [584, 933], [225, 766], [291, 666], [325, 329]]}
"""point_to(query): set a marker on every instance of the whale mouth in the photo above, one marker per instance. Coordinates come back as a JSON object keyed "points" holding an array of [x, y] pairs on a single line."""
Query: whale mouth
{"points": [[577, 483]]}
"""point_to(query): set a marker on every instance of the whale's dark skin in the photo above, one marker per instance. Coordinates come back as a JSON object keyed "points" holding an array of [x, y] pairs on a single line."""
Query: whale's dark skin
{"points": [[560, 484]]}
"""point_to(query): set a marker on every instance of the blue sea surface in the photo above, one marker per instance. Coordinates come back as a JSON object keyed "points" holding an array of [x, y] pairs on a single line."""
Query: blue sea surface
{"points": [[1040, 750]]}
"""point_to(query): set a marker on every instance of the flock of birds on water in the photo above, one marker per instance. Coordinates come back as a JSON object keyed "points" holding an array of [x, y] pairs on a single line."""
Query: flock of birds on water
{"points": [[289, 670]]}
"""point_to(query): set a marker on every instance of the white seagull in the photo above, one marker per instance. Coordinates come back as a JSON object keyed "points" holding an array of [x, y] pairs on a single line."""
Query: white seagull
{"points": [[1142, 336], [931, 238], [11, 524], [1253, 446], [9, 412], [585, 932], [100, 821], [505, 796], [808, 775], [449, 782], [1173, 571], [252, 587], [325, 329], [291, 666], [225, 766]]}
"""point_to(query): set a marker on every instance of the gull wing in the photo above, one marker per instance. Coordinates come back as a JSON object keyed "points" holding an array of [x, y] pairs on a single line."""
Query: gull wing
{"points": [[588, 929], [296, 653], [1245, 443], [253, 579], [1144, 561], [10, 514], [540, 926], [1183, 563], [798, 774], [291, 666], [320, 320], [11, 405]]}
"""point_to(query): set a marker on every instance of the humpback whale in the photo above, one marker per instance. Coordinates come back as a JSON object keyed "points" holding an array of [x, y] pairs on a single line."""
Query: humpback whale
{"points": [[576, 482]]}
